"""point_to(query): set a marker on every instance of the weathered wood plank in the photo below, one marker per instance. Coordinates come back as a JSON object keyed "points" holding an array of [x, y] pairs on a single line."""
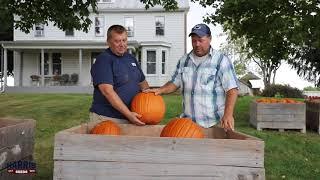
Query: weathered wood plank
{"points": [[313, 116], [246, 153], [123, 170], [289, 118]]}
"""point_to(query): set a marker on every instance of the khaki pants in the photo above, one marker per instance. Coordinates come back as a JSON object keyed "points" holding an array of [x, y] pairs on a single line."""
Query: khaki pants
{"points": [[96, 117]]}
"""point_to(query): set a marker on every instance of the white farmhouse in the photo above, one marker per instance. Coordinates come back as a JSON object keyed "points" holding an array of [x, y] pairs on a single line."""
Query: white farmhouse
{"points": [[51, 60]]}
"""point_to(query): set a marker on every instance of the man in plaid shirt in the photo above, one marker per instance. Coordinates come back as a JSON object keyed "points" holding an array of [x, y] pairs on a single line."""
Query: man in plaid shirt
{"points": [[208, 82]]}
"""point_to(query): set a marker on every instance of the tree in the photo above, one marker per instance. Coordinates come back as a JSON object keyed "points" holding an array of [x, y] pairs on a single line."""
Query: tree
{"points": [[65, 14], [239, 57]]}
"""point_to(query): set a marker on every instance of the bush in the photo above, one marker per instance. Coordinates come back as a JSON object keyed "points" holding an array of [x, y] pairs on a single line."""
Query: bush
{"points": [[282, 91], [310, 88]]}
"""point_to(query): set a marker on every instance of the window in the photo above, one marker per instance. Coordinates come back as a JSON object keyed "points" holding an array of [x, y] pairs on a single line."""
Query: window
{"points": [[163, 63], [56, 63], [46, 64], [160, 26], [39, 30], [99, 23], [128, 24], [70, 32], [151, 62], [105, 1]]}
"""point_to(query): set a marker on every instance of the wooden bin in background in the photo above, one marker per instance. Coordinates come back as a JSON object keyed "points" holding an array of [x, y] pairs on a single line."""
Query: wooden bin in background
{"points": [[16, 143], [313, 115], [139, 153], [279, 116]]}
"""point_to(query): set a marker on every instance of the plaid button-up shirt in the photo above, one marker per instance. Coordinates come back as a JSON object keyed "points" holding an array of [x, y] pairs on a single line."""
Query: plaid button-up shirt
{"points": [[204, 86]]}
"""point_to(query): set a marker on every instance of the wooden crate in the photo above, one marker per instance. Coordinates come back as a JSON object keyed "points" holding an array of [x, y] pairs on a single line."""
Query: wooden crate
{"points": [[139, 153], [278, 116], [313, 115], [16, 143]]}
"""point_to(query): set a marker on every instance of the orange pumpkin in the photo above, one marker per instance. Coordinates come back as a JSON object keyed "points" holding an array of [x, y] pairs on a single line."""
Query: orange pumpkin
{"points": [[107, 127], [151, 107], [275, 100], [182, 128]]}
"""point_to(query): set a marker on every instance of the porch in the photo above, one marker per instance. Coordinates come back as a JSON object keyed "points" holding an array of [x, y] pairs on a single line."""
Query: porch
{"points": [[50, 89], [61, 65]]}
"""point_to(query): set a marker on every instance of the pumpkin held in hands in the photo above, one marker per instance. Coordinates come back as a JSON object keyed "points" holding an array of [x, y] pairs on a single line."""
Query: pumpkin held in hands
{"points": [[107, 127], [151, 107], [183, 128]]}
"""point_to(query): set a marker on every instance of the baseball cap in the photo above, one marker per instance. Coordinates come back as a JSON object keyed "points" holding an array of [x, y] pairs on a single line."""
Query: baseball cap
{"points": [[200, 30]]}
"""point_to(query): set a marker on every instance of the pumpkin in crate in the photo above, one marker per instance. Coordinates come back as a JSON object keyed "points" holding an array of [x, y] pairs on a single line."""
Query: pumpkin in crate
{"points": [[151, 107], [107, 127], [183, 128]]}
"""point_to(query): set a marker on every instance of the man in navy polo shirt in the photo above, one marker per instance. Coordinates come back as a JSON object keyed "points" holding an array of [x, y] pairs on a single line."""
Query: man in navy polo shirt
{"points": [[117, 78]]}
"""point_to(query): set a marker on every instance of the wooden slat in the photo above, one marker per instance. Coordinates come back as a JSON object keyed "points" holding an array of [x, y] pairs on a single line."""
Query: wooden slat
{"points": [[282, 125], [289, 118], [264, 109], [123, 170], [81, 147], [313, 116]]}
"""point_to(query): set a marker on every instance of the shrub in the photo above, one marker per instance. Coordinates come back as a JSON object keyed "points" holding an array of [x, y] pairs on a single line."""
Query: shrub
{"points": [[283, 91]]}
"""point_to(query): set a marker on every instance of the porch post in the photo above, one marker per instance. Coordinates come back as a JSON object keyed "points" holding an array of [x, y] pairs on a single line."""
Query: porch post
{"points": [[80, 67], [5, 68], [42, 67]]}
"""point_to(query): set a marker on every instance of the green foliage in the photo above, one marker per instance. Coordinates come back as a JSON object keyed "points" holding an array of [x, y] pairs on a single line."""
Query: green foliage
{"points": [[281, 91], [310, 88], [64, 14]]}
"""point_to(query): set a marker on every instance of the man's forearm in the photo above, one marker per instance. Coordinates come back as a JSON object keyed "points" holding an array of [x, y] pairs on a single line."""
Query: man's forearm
{"points": [[169, 87], [144, 85], [114, 99], [231, 98]]}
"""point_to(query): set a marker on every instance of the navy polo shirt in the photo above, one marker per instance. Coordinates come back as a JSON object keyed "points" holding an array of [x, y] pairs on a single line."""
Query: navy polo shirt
{"points": [[123, 72]]}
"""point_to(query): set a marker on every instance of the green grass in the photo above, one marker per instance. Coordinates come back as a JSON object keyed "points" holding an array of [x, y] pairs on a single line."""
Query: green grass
{"points": [[288, 155]]}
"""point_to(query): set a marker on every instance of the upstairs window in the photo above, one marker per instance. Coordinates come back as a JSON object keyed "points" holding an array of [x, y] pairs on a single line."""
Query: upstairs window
{"points": [[105, 1], [159, 26], [128, 24], [70, 32], [39, 30], [99, 24]]}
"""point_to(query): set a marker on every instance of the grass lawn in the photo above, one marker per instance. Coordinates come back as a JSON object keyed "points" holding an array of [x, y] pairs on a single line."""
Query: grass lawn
{"points": [[288, 155]]}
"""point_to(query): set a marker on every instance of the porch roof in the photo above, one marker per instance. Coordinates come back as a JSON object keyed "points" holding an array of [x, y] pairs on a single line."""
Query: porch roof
{"points": [[59, 44]]}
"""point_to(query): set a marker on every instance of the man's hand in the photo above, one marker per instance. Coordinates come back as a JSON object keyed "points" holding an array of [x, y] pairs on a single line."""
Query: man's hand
{"points": [[133, 118], [227, 123], [156, 91]]}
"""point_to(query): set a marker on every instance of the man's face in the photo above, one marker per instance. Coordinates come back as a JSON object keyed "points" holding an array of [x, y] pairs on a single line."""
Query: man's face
{"points": [[118, 43], [201, 45]]}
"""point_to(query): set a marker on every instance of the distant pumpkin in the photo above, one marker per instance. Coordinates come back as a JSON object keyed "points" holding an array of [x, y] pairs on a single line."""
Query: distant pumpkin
{"points": [[182, 128], [151, 107], [107, 127]]}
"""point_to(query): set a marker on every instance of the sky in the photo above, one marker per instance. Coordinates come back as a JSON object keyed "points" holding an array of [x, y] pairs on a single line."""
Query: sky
{"points": [[285, 75]]}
